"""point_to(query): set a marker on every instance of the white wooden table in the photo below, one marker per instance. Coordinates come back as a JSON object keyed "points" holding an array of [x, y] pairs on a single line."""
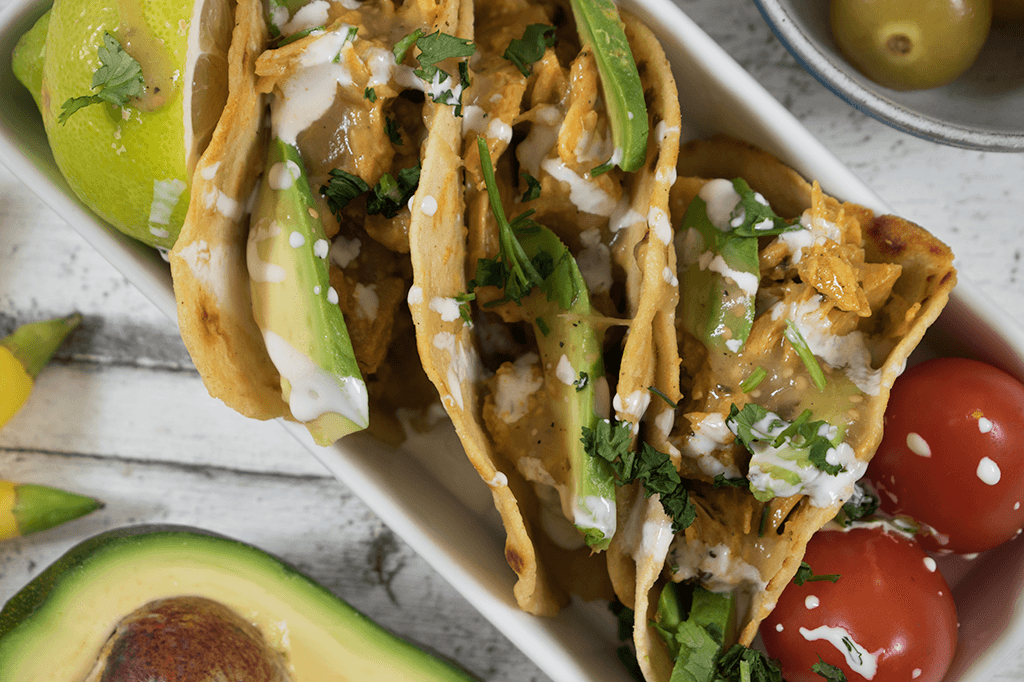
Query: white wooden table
{"points": [[123, 416]]}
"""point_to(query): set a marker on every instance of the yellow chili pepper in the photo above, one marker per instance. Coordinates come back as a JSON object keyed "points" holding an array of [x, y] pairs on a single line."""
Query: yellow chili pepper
{"points": [[28, 508], [23, 355]]}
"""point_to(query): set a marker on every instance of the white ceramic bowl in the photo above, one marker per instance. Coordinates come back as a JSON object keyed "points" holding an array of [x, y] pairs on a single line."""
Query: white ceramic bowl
{"points": [[436, 502], [982, 109]]}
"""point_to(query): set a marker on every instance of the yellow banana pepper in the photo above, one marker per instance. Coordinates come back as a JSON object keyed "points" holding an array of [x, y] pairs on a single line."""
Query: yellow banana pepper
{"points": [[28, 508], [23, 355]]}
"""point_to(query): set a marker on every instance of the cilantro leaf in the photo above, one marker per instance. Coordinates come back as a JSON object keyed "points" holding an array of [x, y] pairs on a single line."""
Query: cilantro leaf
{"points": [[401, 48], [435, 48], [464, 311], [118, 78], [526, 50], [862, 503], [392, 131], [654, 469], [759, 220], [830, 672], [341, 188], [582, 381], [721, 482], [740, 664], [610, 441], [391, 194], [438, 46], [511, 269], [370, 94], [532, 187], [805, 574]]}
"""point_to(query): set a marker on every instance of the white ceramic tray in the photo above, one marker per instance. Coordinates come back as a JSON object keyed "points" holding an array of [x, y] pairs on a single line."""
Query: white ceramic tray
{"points": [[429, 495]]}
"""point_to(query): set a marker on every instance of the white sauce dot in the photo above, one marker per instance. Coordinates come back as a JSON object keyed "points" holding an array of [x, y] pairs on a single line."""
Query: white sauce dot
{"points": [[984, 425], [988, 471], [916, 674], [296, 239], [929, 563], [779, 628], [918, 445], [321, 247], [812, 602], [428, 205], [332, 295]]}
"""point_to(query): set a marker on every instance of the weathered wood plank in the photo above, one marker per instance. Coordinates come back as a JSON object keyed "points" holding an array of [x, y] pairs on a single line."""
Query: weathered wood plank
{"points": [[312, 522]]}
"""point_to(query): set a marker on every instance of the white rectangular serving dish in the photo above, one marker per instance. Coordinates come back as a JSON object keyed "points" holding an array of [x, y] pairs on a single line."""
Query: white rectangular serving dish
{"points": [[437, 503]]}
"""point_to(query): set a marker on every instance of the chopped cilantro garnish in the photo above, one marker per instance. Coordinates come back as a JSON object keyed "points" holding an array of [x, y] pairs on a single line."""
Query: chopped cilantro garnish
{"points": [[511, 270], [438, 46], [542, 326], [830, 672], [435, 48], [602, 169], [391, 194], [801, 438], [805, 354], [753, 380], [862, 503], [655, 470], [118, 79], [582, 382], [393, 133], [370, 94], [341, 188], [805, 574], [463, 301], [401, 48], [664, 397], [721, 482], [283, 40], [740, 664], [532, 187], [759, 220], [526, 50]]}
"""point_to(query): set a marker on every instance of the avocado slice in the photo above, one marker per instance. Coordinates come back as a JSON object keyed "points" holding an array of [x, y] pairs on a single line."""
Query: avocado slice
{"points": [[108, 577], [295, 306]]}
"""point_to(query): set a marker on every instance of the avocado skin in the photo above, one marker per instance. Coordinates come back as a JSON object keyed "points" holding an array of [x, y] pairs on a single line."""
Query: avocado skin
{"points": [[24, 605]]}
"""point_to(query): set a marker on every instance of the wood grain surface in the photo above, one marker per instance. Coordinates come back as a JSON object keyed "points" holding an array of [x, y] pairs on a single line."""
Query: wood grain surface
{"points": [[122, 415]]}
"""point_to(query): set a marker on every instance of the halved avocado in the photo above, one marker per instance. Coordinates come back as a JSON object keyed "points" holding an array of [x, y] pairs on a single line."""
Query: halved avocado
{"points": [[54, 629]]}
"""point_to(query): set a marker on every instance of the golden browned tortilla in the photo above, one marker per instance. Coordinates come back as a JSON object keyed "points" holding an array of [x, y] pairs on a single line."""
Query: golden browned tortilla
{"points": [[369, 264], [555, 113], [879, 277]]}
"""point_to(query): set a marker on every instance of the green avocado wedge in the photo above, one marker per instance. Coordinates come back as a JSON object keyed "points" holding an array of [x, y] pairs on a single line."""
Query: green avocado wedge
{"points": [[295, 306], [55, 627]]}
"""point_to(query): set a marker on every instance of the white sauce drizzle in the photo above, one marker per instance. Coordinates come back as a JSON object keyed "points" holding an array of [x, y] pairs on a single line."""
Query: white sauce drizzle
{"points": [[859, 660], [315, 392]]}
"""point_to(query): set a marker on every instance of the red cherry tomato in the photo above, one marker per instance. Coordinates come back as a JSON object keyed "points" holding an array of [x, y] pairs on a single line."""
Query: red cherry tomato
{"points": [[890, 616], [952, 455]]}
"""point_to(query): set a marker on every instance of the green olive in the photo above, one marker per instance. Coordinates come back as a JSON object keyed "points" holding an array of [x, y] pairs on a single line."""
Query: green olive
{"points": [[911, 44]]}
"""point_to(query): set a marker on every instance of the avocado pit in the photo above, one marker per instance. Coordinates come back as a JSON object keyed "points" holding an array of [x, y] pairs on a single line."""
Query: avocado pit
{"points": [[187, 639]]}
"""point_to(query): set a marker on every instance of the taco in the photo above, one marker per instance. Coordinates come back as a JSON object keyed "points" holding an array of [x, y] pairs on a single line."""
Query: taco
{"points": [[796, 314], [535, 298], [292, 270]]}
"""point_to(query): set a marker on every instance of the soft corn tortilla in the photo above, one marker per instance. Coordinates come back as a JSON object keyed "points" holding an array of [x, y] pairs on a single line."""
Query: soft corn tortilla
{"points": [[892, 296], [209, 259], [445, 258], [211, 281]]}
